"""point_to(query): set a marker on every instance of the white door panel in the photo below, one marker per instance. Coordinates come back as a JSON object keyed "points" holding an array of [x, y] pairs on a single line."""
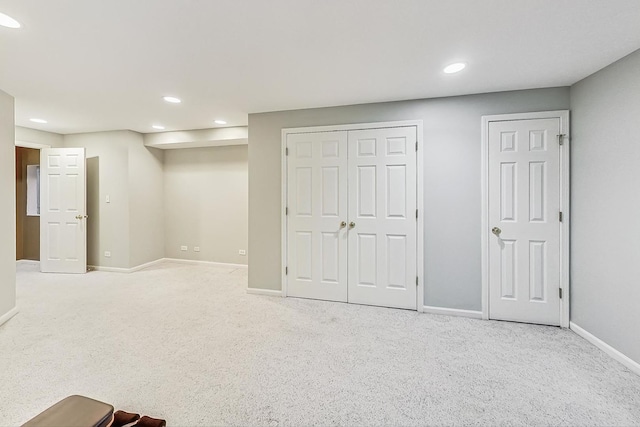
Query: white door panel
{"points": [[382, 207], [317, 203], [524, 203], [63, 228]]}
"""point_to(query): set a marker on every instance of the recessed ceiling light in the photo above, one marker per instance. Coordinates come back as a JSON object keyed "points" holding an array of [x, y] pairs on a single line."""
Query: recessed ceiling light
{"points": [[158, 127], [9, 22], [220, 122], [172, 99], [454, 68], [38, 120]]}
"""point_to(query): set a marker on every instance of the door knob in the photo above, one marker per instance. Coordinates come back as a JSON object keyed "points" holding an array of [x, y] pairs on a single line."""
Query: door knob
{"points": [[352, 224], [343, 224], [79, 217], [496, 231]]}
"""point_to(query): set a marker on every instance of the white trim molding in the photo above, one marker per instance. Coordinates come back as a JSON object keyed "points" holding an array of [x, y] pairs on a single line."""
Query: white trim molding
{"points": [[418, 124], [125, 270], [27, 262], [197, 262], [8, 315], [267, 292], [471, 314], [164, 260], [615, 354], [563, 116], [33, 145]]}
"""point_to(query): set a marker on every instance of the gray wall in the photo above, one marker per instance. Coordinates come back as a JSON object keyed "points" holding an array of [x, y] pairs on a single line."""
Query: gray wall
{"points": [[108, 226], [8, 205], [206, 203], [605, 202], [146, 202], [451, 173], [131, 226], [27, 135]]}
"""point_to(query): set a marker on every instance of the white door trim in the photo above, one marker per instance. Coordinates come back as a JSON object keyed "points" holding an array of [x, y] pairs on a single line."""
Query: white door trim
{"points": [[419, 189], [28, 144], [563, 115]]}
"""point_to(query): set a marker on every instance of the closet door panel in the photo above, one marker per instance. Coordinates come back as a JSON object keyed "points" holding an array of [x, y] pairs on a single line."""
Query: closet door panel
{"points": [[317, 204], [382, 224]]}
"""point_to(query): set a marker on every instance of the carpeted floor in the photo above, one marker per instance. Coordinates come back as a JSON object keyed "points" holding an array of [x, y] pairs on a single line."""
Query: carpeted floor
{"points": [[187, 344]]}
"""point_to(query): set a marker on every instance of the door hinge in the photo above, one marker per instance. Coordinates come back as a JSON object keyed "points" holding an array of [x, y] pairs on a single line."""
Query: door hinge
{"points": [[416, 145], [286, 211], [286, 151], [561, 138], [560, 216], [416, 280], [416, 213], [286, 271], [560, 292]]}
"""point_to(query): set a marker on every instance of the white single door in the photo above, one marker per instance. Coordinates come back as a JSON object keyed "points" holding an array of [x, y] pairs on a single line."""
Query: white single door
{"points": [[382, 217], [524, 201], [317, 215], [63, 219]]}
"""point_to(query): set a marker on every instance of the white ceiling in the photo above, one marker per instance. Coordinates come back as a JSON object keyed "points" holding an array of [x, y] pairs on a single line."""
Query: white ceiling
{"points": [[91, 65]]}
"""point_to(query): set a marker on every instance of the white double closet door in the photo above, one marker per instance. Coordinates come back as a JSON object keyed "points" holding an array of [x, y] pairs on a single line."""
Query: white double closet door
{"points": [[351, 222]]}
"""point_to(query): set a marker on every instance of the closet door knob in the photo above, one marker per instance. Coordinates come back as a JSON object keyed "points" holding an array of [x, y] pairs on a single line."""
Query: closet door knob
{"points": [[343, 224], [352, 224]]}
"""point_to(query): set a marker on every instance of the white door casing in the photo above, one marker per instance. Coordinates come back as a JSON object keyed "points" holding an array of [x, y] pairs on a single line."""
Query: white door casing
{"points": [[381, 195], [317, 207], [523, 236], [63, 220], [382, 217]]}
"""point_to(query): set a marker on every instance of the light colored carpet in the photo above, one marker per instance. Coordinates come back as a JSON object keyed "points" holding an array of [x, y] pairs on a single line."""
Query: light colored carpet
{"points": [[186, 343]]}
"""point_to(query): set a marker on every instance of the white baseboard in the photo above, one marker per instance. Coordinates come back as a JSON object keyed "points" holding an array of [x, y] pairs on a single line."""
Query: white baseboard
{"points": [[268, 292], [27, 261], [126, 270], [108, 269], [146, 265], [625, 360], [197, 262], [452, 312], [5, 318], [162, 260]]}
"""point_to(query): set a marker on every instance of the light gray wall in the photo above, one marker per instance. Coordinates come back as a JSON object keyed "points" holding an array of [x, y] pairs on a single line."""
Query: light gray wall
{"points": [[108, 226], [38, 137], [206, 203], [131, 225], [146, 202], [451, 182], [605, 203], [8, 205]]}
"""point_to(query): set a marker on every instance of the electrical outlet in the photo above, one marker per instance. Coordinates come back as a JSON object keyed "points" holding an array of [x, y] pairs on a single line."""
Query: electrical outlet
{"points": [[184, 248], [196, 249], [107, 254], [242, 252]]}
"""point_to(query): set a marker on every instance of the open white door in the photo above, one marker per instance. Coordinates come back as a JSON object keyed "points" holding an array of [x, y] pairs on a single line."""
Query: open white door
{"points": [[63, 218]]}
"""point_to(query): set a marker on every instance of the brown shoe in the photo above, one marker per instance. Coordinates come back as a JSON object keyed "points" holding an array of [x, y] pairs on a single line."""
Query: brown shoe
{"points": [[150, 422], [122, 418]]}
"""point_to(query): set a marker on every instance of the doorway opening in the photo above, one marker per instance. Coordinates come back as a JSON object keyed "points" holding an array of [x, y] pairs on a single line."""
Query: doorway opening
{"points": [[27, 204]]}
